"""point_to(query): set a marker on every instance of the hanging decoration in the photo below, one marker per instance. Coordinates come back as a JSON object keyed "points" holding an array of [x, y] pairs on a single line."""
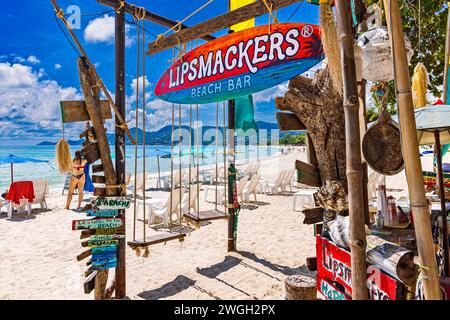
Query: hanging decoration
{"points": [[241, 63], [419, 86]]}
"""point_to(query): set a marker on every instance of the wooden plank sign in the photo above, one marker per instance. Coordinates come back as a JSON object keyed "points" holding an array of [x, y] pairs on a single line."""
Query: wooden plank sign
{"points": [[97, 223], [102, 213], [75, 111], [307, 174], [242, 63], [329, 290], [102, 243], [429, 179], [334, 264], [104, 257], [110, 203]]}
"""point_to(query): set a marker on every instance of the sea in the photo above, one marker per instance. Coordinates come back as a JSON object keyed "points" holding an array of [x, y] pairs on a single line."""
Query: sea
{"points": [[201, 156]]}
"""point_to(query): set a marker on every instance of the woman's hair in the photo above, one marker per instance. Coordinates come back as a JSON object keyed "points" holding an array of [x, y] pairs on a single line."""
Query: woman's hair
{"points": [[78, 155]]}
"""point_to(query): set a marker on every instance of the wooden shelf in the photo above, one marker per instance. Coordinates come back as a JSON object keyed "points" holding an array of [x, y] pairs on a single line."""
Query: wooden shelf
{"points": [[157, 238], [206, 216]]}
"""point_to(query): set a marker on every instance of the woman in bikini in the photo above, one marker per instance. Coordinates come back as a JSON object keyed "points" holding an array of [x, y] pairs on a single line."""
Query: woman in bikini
{"points": [[77, 179]]}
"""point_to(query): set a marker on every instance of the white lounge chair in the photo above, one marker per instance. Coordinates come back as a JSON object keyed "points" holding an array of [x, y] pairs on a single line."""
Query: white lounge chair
{"points": [[193, 177], [288, 179], [250, 188], [177, 179], [189, 200], [164, 211], [141, 177], [221, 190], [273, 187]]}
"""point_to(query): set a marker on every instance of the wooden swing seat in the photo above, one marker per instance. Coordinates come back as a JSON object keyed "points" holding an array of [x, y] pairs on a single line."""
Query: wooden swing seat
{"points": [[157, 238], [206, 216]]}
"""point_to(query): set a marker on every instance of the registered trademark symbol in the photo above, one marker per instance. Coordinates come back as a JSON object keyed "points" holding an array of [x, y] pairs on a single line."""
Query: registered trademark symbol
{"points": [[307, 31]]}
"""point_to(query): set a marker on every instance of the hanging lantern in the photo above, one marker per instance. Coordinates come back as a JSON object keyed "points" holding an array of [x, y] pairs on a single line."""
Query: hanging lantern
{"points": [[377, 62]]}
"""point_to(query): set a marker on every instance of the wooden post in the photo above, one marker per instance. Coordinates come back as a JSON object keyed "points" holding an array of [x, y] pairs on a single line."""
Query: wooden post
{"points": [[231, 160], [120, 274], [410, 146], [310, 151], [440, 181], [12, 172], [92, 97], [353, 155]]}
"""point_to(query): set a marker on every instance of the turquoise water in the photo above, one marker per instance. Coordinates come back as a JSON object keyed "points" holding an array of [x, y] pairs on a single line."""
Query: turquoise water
{"points": [[30, 171]]}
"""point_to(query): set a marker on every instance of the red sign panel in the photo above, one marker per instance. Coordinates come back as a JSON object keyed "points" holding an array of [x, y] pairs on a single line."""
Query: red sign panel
{"points": [[334, 264]]}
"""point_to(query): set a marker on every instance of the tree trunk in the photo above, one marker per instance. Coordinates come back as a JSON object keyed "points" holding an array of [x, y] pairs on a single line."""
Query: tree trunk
{"points": [[319, 106]]}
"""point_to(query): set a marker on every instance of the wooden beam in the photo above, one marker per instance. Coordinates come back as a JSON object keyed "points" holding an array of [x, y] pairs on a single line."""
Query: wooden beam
{"points": [[307, 174], [98, 179], [84, 255], [223, 21], [150, 16], [75, 111], [97, 168], [92, 152], [289, 122]]}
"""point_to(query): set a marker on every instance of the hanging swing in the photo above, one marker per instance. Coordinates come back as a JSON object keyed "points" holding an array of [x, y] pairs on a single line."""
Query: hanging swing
{"points": [[198, 217], [158, 236]]}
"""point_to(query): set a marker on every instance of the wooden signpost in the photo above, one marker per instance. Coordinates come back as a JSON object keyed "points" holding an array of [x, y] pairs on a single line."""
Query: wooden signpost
{"points": [[97, 224], [110, 203]]}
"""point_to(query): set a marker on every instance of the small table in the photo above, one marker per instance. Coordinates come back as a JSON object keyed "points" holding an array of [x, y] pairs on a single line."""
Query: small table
{"points": [[303, 198]]}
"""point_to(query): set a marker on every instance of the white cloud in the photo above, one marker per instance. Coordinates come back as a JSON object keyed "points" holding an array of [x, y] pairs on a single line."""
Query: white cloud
{"points": [[33, 60], [29, 104], [58, 66], [270, 94], [102, 30]]}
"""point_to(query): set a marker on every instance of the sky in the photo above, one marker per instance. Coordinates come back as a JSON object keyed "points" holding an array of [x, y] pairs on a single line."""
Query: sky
{"points": [[38, 66]]}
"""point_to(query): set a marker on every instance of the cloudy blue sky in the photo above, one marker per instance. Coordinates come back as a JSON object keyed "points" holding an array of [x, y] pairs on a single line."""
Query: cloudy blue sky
{"points": [[38, 66]]}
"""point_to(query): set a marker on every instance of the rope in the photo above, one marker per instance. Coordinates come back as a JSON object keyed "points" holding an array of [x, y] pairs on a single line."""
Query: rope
{"points": [[123, 186], [121, 5], [65, 35], [138, 46], [178, 25], [144, 142], [272, 18]]}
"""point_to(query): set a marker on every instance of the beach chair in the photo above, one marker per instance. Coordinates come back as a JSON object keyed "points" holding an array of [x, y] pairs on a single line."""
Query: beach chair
{"points": [[193, 177], [273, 187], [176, 180], [190, 202], [141, 177], [221, 190], [256, 167], [40, 190], [164, 211], [250, 188], [214, 175], [288, 180]]}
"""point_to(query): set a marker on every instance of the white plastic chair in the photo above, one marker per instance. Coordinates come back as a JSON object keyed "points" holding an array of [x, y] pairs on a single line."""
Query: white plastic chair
{"points": [[287, 181], [141, 177], [221, 190], [40, 190], [274, 186], [164, 211], [177, 179], [186, 205], [250, 188]]}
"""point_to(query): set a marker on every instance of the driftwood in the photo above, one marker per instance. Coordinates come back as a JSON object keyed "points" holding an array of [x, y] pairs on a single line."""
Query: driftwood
{"points": [[396, 261], [289, 122], [311, 263], [221, 22]]}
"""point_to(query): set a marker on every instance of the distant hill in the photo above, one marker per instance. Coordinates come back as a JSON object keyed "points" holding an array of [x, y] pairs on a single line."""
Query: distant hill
{"points": [[163, 135], [51, 143]]}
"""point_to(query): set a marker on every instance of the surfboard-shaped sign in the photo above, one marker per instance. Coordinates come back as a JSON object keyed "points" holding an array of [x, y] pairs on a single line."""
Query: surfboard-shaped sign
{"points": [[241, 64]]}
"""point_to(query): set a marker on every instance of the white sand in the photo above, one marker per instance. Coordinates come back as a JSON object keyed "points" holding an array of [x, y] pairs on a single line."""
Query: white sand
{"points": [[37, 253]]}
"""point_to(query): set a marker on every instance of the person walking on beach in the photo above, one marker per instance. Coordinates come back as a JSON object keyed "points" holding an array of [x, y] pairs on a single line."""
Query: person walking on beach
{"points": [[77, 179]]}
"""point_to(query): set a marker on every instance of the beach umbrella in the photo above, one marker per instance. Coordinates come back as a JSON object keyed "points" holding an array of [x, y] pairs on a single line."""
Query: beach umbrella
{"points": [[433, 127], [13, 159], [430, 119]]}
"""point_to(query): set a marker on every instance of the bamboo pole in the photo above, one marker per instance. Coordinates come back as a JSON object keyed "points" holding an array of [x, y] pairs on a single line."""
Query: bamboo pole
{"points": [[410, 146], [353, 154]]}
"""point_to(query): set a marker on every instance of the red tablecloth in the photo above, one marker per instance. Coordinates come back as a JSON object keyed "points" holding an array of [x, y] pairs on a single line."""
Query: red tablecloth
{"points": [[19, 190]]}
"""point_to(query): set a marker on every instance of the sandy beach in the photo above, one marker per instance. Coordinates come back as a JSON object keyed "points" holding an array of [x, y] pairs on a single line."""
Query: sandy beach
{"points": [[38, 251]]}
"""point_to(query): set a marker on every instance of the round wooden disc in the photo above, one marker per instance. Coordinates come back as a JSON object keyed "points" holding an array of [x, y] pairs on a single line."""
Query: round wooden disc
{"points": [[382, 149]]}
